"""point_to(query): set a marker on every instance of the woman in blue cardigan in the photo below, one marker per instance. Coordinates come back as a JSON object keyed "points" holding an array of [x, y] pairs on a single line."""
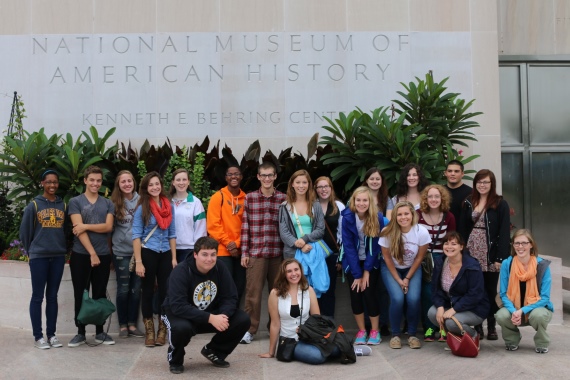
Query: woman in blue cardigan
{"points": [[361, 227], [458, 288]]}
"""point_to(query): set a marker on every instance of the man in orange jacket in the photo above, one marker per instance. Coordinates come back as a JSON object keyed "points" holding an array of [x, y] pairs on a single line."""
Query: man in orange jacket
{"points": [[224, 219]]}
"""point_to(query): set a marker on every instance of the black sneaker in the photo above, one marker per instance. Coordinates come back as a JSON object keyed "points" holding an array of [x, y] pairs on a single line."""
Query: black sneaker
{"points": [[211, 356], [176, 369], [104, 338], [77, 340]]}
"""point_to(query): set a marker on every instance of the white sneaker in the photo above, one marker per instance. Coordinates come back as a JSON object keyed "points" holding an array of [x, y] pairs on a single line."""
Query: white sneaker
{"points": [[362, 350], [54, 342], [247, 338]]}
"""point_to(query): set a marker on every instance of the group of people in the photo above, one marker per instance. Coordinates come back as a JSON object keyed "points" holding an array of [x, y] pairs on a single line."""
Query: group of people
{"points": [[429, 253]]}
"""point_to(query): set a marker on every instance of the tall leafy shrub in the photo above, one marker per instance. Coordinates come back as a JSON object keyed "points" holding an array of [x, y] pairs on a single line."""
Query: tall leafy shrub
{"points": [[424, 128]]}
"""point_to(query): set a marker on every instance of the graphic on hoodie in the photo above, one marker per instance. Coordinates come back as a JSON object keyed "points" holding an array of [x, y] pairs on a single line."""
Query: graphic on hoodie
{"points": [[51, 218], [204, 294]]}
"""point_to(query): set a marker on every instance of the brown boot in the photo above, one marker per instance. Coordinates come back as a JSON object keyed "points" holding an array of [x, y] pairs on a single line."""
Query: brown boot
{"points": [[149, 332], [161, 335]]}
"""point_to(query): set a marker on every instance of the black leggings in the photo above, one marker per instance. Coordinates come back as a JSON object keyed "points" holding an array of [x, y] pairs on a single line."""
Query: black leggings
{"points": [[157, 268], [82, 272], [368, 296]]}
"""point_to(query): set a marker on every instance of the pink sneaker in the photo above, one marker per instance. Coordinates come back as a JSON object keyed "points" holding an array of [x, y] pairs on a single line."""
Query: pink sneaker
{"points": [[361, 337], [374, 339]]}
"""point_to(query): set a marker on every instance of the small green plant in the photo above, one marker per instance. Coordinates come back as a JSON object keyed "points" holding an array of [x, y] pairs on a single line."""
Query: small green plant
{"points": [[16, 124], [141, 169], [199, 182], [179, 160]]}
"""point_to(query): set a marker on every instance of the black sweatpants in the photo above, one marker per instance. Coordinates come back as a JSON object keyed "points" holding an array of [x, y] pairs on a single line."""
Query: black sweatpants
{"points": [[181, 330], [98, 277]]}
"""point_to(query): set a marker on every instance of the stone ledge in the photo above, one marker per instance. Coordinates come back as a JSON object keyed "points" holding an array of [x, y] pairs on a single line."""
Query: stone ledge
{"points": [[566, 278]]}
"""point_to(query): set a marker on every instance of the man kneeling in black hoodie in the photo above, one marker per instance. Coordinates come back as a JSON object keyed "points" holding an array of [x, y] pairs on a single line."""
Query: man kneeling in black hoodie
{"points": [[202, 298]]}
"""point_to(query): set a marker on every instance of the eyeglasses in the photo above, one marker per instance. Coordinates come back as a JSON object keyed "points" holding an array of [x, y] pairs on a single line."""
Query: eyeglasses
{"points": [[266, 176], [485, 183], [49, 183], [323, 187], [233, 175], [521, 243]]}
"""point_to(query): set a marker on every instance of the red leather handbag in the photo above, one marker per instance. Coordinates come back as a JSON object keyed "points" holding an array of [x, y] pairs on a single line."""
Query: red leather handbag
{"points": [[462, 345]]}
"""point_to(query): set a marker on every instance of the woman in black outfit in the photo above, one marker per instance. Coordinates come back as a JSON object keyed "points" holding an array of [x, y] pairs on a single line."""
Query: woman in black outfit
{"points": [[333, 220], [485, 226]]}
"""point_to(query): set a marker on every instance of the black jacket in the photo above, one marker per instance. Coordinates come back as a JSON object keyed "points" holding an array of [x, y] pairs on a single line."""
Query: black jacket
{"points": [[193, 295], [467, 292], [497, 229]]}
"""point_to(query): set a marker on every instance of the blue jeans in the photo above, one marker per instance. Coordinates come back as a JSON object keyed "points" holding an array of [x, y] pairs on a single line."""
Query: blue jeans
{"points": [[427, 301], [307, 353], [412, 299], [46, 276], [128, 291]]}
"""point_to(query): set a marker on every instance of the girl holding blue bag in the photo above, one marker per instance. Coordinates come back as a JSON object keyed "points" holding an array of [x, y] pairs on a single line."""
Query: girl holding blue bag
{"points": [[302, 227], [361, 226]]}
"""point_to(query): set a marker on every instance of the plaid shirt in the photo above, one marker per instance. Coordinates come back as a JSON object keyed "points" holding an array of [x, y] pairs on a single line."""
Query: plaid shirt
{"points": [[260, 225]]}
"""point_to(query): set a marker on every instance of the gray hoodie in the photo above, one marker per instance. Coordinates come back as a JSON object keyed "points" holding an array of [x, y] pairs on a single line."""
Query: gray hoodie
{"points": [[43, 227], [123, 229]]}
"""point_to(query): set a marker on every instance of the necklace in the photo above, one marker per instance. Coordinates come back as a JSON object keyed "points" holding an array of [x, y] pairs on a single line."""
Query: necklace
{"points": [[439, 215]]}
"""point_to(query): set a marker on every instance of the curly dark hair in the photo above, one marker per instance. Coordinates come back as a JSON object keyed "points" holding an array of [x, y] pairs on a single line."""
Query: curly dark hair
{"points": [[402, 187]]}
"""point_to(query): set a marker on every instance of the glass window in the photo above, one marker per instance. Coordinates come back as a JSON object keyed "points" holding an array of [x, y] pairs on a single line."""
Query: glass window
{"points": [[510, 92], [548, 110]]}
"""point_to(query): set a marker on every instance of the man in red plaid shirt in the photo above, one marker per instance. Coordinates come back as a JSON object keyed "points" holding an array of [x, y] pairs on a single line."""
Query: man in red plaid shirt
{"points": [[261, 246]]}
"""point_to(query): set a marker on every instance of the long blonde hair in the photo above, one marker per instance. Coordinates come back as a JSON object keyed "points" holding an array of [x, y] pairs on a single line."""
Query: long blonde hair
{"points": [[393, 232], [371, 225]]}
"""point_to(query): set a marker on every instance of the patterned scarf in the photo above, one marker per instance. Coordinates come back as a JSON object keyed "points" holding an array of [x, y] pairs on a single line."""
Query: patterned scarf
{"points": [[518, 273], [163, 215]]}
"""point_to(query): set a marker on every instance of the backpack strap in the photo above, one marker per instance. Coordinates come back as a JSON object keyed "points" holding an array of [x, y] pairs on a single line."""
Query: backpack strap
{"points": [[36, 215]]}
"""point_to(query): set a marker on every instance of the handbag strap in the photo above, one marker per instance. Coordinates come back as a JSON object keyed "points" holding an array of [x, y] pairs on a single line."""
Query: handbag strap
{"points": [[297, 220], [432, 244], [458, 325], [149, 235], [332, 236], [86, 287], [301, 314]]}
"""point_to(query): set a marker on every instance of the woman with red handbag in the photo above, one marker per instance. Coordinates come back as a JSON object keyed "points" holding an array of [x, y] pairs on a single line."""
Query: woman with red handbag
{"points": [[458, 289]]}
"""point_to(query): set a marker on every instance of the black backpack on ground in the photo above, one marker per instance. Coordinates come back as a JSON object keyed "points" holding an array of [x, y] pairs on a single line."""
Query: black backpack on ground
{"points": [[325, 334]]}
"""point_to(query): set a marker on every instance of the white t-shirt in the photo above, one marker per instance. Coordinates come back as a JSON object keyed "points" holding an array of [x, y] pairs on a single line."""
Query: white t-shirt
{"points": [[413, 239]]}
